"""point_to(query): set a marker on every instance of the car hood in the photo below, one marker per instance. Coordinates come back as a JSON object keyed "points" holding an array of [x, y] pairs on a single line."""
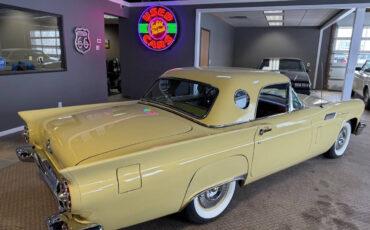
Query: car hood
{"points": [[296, 76], [76, 137], [312, 101]]}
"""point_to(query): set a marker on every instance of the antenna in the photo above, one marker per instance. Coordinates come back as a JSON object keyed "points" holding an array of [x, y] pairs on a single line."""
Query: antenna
{"points": [[322, 83]]}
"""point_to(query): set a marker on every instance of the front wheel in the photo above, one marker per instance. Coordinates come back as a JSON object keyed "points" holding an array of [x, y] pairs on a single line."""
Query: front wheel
{"points": [[341, 143], [210, 204]]}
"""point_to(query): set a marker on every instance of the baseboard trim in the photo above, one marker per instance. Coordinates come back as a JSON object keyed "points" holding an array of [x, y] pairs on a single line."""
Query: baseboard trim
{"points": [[10, 131]]}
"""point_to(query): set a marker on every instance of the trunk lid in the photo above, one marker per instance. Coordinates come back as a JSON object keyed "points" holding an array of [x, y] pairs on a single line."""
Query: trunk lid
{"points": [[79, 136]]}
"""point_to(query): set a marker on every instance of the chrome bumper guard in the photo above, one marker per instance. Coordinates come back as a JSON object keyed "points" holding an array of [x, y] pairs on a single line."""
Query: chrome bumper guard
{"points": [[64, 221], [360, 128], [24, 153]]}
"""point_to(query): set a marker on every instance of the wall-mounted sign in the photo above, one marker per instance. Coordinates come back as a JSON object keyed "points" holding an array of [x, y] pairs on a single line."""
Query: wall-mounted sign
{"points": [[158, 28], [82, 40]]}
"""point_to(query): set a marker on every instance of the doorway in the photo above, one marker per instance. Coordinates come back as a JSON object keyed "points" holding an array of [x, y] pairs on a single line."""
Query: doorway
{"points": [[113, 59], [204, 47]]}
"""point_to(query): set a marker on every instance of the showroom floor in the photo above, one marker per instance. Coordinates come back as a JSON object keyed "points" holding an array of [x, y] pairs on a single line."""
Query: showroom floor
{"points": [[317, 194]]}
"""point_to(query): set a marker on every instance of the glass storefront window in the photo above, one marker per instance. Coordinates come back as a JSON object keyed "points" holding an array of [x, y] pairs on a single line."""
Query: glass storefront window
{"points": [[344, 32], [30, 41], [342, 45]]}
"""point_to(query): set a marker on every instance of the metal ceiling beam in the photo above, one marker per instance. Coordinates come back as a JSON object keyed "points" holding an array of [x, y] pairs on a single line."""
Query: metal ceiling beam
{"points": [[337, 18], [333, 20], [190, 2], [354, 50]]}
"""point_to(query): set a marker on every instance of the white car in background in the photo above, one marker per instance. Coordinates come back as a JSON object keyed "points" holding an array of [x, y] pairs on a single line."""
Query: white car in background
{"points": [[361, 83]]}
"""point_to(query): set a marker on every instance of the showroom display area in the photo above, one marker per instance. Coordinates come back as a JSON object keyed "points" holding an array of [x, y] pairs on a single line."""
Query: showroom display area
{"points": [[196, 134], [83, 75]]}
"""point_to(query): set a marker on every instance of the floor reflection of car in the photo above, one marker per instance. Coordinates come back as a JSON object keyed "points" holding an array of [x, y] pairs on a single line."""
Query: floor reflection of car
{"points": [[28, 59], [361, 83], [291, 67]]}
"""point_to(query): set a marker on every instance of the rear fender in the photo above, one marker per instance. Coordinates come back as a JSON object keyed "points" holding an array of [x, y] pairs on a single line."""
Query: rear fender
{"points": [[216, 173]]}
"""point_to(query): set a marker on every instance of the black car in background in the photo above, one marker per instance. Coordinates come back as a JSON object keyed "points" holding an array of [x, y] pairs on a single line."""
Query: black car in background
{"points": [[291, 67]]}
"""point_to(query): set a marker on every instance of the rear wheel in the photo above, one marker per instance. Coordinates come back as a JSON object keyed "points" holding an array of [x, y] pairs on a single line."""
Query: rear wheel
{"points": [[210, 204], [341, 143], [366, 98]]}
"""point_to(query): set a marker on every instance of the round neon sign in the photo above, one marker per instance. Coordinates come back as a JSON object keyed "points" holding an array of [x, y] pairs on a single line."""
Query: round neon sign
{"points": [[157, 28]]}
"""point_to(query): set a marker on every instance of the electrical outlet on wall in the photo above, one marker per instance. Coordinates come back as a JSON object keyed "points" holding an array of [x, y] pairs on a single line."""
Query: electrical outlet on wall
{"points": [[209, 62]]}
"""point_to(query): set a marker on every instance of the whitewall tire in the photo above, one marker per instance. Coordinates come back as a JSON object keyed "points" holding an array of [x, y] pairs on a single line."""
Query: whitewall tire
{"points": [[210, 204], [341, 143]]}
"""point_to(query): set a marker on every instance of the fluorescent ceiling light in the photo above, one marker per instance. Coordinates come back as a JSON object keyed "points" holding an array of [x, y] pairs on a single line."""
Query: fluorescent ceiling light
{"points": [[273, 11], [274, 17], [106, 16], [275, 23]]}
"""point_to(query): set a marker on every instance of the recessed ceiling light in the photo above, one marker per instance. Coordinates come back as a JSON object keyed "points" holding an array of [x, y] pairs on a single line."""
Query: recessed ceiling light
{"points": [[275, 23], [273, 11], [238, 17], [274, 17]]}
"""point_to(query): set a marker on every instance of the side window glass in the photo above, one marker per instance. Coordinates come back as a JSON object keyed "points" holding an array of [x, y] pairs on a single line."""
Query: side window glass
{"points": [[297, 104], [273, 100], [241, 99], [367, 67]]}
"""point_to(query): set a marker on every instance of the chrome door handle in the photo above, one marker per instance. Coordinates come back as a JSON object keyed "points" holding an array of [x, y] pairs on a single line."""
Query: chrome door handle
{"points": [[263, 131]]}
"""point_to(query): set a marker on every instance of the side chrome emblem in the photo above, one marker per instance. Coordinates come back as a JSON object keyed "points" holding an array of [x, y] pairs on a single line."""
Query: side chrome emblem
{"points": [[48, 148]]}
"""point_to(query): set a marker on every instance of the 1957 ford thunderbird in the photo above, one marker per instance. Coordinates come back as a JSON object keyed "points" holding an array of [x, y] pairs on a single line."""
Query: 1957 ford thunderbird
{"points": [[184, 146]]}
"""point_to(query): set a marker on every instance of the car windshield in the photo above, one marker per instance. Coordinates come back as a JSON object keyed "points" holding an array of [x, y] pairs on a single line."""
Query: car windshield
{"points": [[276, 64], [193, 98]]}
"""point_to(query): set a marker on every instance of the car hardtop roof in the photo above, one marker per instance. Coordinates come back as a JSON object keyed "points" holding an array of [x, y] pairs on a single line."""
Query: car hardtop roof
{"points": [[222, 77], [289, 58], [224, 111]]}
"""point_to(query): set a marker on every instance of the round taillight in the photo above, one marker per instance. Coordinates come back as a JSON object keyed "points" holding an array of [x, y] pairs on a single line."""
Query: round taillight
{"points": [[64, 196]]}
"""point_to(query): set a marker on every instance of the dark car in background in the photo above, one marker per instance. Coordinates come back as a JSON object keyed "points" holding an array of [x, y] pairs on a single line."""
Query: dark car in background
{"points": [[293, 68]]}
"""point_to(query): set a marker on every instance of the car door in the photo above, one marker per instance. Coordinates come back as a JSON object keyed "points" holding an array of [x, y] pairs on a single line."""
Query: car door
{"points": [[283, 137]]}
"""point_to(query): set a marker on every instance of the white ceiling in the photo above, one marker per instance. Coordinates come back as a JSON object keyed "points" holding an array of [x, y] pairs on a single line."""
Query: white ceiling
{"points": [[310, 17]]}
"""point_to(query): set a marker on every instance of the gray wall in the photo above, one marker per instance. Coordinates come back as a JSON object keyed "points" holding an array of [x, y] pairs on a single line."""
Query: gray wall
{"points": [[85, 79], [112, 34], [251, 45], [221, 40]]}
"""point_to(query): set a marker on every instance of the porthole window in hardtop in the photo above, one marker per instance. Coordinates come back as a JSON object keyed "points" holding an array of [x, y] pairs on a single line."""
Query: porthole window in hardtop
{"points": [[30, 41], [241, 99]]}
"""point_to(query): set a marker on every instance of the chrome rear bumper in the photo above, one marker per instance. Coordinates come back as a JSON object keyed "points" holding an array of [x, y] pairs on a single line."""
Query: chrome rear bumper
{"points": [[24, 153], [360, 128], [64, 221]]}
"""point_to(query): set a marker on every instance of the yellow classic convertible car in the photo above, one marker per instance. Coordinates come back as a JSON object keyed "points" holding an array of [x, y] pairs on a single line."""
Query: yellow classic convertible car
{"points": [[183, 147]]}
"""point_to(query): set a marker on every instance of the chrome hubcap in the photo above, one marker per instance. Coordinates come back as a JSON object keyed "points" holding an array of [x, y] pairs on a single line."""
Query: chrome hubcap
{"points": [[341, 140], [212, 196]]}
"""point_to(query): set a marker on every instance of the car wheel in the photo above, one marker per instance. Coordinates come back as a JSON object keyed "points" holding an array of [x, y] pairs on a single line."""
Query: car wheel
{"points": [[210, 204], [341, 143], [366, 98]]}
